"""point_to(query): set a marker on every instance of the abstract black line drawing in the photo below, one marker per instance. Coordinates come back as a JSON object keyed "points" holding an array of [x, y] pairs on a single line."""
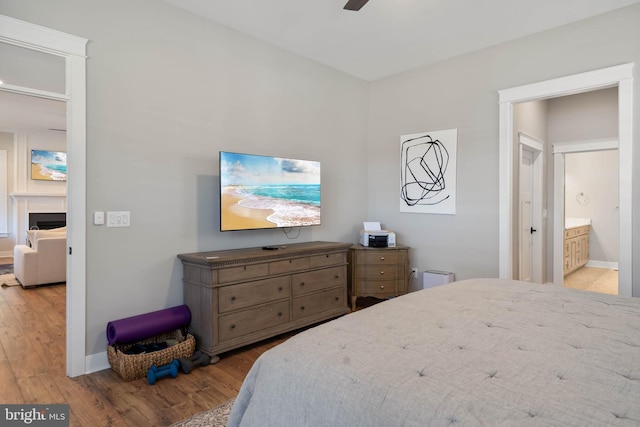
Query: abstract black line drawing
{"points": [[428, 172]]}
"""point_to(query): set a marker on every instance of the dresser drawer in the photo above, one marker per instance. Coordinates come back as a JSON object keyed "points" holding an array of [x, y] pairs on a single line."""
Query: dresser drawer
{"points": [[317, 280], [235, 274], [379, 257], [316, 303], [327, 260], [288, 265], [239, 324], [245, 295]]}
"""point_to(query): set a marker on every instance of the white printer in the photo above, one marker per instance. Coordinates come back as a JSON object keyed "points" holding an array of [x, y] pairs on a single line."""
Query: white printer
{"points": [[375, 237]]}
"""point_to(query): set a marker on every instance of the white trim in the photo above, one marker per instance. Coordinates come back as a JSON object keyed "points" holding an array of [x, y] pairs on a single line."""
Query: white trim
{"points": [[20, 90], [73, 49], [610, 265], [97, 362], [569, 85], [530, 141], [558, 218], [621, 76], [42, 39], [584, 146]]}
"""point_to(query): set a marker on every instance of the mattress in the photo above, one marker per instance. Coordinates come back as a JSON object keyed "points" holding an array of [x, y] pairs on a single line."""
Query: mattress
{"points": [[480, 352]]}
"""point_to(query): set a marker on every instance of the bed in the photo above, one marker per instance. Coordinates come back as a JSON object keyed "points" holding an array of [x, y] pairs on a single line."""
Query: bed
{"points": [[480, 352]]}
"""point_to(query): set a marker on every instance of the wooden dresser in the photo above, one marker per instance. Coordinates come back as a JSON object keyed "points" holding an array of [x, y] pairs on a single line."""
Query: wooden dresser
{"points": [[576, 248], [238, 297], [378, 272]]}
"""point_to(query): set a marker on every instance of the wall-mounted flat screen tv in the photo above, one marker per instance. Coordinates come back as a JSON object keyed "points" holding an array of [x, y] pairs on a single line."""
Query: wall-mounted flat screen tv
{"points": [[259, 192], [48, 165]]}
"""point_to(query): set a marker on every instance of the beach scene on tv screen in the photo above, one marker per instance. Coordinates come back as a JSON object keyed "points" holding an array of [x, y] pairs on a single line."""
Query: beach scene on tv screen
{"points": [[48, 165], [268, 192]]}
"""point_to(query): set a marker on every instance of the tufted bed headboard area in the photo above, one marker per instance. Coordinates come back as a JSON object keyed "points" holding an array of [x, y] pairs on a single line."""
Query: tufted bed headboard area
{"points": [[480, 352]]}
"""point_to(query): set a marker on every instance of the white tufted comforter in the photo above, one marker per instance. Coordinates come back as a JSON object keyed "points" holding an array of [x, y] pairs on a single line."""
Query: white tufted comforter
{"points": [[481, 352]]}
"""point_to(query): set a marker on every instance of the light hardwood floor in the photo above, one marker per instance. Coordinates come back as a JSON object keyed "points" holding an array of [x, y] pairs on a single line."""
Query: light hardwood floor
{"points": [[32, 370], [593, 279]]}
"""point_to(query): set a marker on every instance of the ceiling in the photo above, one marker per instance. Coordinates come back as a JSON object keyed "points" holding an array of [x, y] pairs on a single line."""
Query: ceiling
{"points": [[387, 37], [29, 112]]}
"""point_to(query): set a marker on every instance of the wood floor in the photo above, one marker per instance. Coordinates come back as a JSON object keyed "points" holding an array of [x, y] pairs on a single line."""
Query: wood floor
{"points": [[32, 370]]}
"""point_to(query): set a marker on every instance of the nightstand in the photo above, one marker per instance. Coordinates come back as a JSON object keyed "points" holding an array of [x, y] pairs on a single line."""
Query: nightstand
{"points": [[378, 272]]}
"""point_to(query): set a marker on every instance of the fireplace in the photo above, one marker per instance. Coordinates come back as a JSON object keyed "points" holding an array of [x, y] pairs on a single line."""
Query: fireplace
{"points": [[47, 220]]}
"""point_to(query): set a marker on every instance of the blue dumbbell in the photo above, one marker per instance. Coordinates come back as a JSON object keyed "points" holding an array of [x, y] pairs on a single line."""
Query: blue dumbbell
{"points": [[156, 372]]}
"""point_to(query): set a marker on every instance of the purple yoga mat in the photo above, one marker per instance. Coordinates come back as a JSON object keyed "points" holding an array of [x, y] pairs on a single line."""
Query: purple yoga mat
{"points": [[136, 328]]}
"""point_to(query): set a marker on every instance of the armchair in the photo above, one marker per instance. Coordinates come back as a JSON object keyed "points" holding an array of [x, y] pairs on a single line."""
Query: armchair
{"points": [[45, 262]]}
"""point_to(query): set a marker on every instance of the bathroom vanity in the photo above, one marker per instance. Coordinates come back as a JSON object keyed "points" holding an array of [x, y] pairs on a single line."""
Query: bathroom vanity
{"points": [[576, 243]]}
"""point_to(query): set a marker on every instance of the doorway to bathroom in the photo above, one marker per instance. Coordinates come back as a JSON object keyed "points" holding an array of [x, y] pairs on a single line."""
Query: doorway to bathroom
{"points": [[620, 77]]}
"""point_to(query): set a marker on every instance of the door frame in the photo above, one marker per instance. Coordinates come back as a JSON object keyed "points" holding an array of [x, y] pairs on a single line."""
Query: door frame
{"points": [[536, 147], [73, 50], [620, 76], [559, 151]]}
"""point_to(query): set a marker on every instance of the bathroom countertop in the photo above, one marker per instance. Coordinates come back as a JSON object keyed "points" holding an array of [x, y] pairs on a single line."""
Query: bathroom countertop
{"points": [[576, 222]]}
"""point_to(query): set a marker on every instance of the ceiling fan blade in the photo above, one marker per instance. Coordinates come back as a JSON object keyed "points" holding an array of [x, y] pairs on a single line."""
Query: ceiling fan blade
{"points": [[355, 4]]}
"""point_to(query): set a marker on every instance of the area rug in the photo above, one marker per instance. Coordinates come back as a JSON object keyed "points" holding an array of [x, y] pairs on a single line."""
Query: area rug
{"points": [[6, 269], [7, 280], [214, 417]]}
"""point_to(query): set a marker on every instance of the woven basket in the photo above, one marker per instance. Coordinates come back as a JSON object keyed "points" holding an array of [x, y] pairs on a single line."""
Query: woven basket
{"points": [[133, 366]]}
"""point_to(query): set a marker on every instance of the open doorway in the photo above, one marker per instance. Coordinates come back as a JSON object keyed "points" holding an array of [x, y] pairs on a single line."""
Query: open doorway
{"points": [[587, 188], [72, 50], [620, 77]]}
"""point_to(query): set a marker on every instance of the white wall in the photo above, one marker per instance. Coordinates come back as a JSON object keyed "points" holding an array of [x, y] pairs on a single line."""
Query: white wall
{"points": [[167, 90], [591, 191], [462, 93]]}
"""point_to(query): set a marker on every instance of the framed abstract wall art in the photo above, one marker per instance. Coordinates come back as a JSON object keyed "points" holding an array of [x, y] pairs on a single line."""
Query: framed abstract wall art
{"points": [[428, 172]]}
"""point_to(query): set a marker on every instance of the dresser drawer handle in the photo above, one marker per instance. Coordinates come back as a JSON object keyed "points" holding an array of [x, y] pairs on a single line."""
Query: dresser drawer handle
{"points": [[337, 298], [302, 307], [233, 326], [381, 258], [279, 314], [337, 276], [233, 298], [381, 286], [382, 272], [280, 288], [301, 283]]}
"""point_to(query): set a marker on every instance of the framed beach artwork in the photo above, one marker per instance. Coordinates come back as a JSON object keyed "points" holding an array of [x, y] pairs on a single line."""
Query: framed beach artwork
{"points": [[428, 172], [48, 165]]}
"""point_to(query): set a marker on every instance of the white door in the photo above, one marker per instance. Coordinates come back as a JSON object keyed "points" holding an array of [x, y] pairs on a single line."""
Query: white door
{"points": [[526, 216]]}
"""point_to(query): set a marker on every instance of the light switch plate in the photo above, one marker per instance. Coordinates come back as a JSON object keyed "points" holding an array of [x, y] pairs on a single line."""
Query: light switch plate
{"points": [[119, 219], [98, 218]]}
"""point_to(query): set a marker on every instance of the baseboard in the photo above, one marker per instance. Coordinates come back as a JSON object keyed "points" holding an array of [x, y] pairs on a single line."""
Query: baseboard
{"points": [[6, 254], [603, 264], [96, 362]]}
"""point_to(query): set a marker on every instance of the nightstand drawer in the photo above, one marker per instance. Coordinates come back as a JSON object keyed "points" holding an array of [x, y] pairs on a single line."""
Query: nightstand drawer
{"points": [[378, 257], [374, 287], [378, 272]]}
